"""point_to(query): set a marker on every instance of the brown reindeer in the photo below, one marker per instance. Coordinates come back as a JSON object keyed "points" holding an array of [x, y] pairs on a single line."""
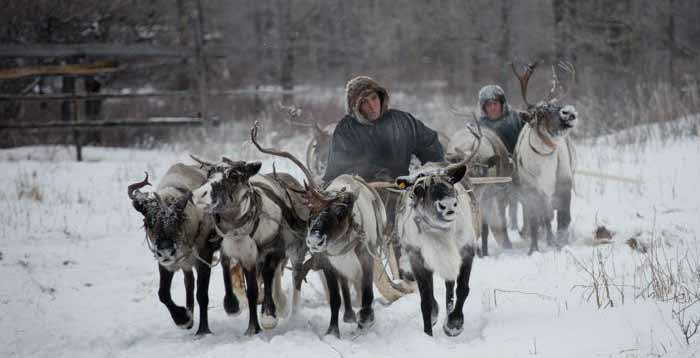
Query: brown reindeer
{"points": [[345, 234]]}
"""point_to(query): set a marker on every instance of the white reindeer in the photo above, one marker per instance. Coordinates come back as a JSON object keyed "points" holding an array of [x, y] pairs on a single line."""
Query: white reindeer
{"points": [[437, 222], [545, 162]]}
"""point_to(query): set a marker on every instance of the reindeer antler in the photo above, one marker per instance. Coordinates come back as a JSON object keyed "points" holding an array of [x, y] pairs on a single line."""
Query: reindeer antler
{"points": [[201, 162], [136, 186], [232, 163], [558, 91], [312, 187], [524, 78], [476, 144], [293, 116]]}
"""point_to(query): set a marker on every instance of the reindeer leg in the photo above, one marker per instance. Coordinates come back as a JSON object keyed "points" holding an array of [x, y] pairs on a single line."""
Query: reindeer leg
{"points": [[484, 237], [251, 280], [203, 276], [435, 308], [189, 290], [349, 313], [334, 295], [534, 232], [499, 224], [366, 319], [424, 279], [449, 296], [238, 282], [563, 213], [231, 305], [455, 319], [181, 316], [513, 212], [269, 314], [299, 271]]}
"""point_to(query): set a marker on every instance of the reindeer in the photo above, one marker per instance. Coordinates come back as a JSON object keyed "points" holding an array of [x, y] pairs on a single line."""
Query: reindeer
{"points": [[545, 161], [261, 229], [347, 221], [437, 222], [317, 148], [491, 160], [181, 238]]}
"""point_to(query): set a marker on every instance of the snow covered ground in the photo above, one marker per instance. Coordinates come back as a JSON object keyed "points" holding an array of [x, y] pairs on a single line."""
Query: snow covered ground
{"points": [[78, 279]]}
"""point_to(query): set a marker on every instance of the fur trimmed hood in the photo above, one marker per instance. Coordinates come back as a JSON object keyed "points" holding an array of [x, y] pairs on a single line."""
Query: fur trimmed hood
{"points": [[495, 93], [358, 88]]}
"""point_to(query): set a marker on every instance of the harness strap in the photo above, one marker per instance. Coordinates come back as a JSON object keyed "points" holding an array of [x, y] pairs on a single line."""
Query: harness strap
{"points": [[253, 213], [545, 140]]}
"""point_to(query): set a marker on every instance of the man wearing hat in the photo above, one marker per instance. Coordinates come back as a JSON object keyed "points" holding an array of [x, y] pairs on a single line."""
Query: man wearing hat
{"points": [[374, 141]]}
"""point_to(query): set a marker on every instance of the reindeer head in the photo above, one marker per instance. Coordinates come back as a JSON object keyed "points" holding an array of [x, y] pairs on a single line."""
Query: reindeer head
{"points": [[433, 194], [227, 184], [330, 212], [549, 116], [163, 220], [331, 220]]}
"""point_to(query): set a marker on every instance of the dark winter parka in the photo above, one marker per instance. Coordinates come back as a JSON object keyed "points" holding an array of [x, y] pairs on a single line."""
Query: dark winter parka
{"points": [[511, 122], [380, 149]]}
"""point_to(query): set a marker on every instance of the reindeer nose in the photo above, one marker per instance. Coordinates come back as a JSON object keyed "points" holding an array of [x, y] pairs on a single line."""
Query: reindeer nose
{"points": [[316, 242], [446, 207]]}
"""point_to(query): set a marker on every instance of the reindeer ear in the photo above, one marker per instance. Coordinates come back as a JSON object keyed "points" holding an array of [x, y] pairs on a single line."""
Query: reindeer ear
{"points": [[252, 168], [349, 199], [456, 173]]}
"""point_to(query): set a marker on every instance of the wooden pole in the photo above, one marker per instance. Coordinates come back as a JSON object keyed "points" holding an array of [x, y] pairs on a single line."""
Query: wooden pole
{"points": [[76, 118], [72, 69]]}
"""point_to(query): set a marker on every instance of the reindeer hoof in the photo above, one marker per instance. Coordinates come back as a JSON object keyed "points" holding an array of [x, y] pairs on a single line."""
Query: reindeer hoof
{"points": [[231, 306], [252, 330], [563, 237], [203, 331], [333, 331], [366, 319], [454, 325], [349, 316], [268, 321], [183, 318]]}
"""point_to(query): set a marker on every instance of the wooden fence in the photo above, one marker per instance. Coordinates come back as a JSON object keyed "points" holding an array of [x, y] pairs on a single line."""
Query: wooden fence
{"points": [[112, 58]]}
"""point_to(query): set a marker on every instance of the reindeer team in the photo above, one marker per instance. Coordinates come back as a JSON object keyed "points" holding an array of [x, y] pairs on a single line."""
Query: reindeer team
{"points": [[352, 228]]}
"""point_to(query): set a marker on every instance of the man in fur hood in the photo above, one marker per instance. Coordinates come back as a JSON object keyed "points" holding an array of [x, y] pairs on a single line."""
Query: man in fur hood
{"points": [[497, 115], [374, 141]]}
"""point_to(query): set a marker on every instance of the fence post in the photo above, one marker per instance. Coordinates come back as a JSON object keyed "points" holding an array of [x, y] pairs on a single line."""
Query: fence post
{"points": [[76, 133]]}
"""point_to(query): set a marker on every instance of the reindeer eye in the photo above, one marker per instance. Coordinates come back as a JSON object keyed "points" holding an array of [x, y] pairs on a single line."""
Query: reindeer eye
{"points": [[441, 206]]}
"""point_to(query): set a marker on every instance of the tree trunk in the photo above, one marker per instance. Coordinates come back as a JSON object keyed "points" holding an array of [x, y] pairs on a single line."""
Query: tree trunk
{"points": [[288, 47], [504, 49], [671, 33]]}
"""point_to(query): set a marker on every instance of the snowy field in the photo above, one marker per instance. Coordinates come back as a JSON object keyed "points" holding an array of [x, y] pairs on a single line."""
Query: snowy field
{"points": [[78, 279]]}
